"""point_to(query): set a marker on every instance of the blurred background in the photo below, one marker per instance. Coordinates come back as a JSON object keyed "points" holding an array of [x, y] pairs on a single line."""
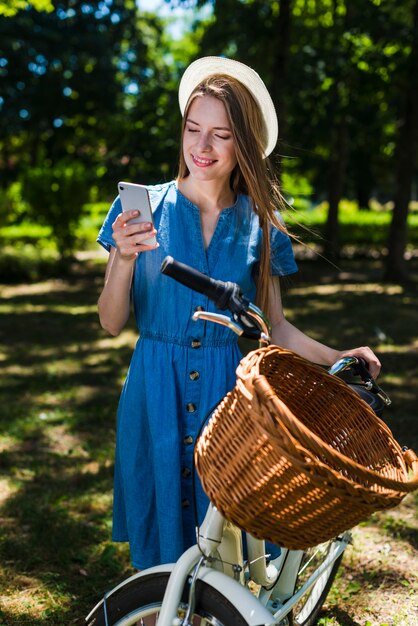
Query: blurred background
{"points": [[88, 97]]}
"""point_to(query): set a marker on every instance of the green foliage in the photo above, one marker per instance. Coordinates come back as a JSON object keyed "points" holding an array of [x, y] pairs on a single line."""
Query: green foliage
{"points": [[359, 229], [56, 196], [13, 207], [96, 83], [27, 263], [297, 189], [11, 7]]}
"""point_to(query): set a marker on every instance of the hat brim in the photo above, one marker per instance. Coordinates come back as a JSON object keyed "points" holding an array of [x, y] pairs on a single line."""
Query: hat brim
{"points": [[201, 69]]}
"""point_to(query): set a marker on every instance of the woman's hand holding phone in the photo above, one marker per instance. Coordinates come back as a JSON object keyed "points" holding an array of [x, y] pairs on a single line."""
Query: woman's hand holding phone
{"points": [[130, 236], [133, 229]]}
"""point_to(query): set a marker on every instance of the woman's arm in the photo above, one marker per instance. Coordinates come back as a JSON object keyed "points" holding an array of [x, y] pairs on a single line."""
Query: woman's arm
{"points": [[114, 301], [286, 335]]}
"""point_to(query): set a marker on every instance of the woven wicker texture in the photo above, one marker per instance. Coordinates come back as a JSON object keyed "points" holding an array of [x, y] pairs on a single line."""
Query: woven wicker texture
{"points": [[294, 456]]}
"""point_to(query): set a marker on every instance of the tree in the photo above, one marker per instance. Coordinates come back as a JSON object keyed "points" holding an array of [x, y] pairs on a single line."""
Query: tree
{"points": [[56, 196], [333, 69], [11, 7], [60, 82], [90, 90], [68, 77], [406, 157]]}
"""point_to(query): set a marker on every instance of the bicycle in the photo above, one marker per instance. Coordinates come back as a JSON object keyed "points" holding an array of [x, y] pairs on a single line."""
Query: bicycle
{"points": [[214, 582]]}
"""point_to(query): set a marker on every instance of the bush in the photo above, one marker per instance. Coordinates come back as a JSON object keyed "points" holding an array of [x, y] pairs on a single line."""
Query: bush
{"points": [[356, 227], [56, 196]]}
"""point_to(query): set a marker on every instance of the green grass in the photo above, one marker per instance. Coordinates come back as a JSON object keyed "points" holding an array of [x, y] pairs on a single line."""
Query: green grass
{"points": [[32, 233], [29, 251], [357, 227], [59, 385], [60, 379]]}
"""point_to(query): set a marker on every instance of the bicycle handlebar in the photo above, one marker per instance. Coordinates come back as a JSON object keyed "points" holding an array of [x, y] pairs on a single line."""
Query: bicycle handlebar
{"points": [[252, 321], [225, 295], [216, 290]]}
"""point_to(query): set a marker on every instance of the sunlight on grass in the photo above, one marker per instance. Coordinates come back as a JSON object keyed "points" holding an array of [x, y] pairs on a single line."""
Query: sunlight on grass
{"points": [[61, 380], [7, 489], [96, 505], [40, 308], [36, 599], [59, 441], [335, 288], [40, 288], [7, 442]]}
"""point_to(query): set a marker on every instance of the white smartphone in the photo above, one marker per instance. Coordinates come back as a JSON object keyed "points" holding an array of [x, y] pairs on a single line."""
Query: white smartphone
{"points": [[136, 198]]}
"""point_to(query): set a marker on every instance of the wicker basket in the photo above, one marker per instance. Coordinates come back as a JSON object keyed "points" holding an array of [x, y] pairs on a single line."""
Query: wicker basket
{"points": [[298, 481]]}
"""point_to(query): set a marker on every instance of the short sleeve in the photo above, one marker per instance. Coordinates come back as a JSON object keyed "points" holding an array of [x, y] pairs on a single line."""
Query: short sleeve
{"points": [[281, 254], [105, 236]]}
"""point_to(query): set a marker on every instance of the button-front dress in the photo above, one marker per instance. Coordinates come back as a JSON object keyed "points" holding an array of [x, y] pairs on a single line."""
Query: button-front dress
{"points": [[179, 369]]}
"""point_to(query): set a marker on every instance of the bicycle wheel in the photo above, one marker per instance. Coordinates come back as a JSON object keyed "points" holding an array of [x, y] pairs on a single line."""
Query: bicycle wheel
{"points": [[306, 611], [139, 602]]}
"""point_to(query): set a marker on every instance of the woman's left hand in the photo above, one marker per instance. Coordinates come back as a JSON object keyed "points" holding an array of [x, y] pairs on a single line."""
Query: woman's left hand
{"points": [[368, 355]]}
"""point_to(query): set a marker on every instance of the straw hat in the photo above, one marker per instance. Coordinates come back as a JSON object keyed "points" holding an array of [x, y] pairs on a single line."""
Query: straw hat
{"points": [[201, 69]]}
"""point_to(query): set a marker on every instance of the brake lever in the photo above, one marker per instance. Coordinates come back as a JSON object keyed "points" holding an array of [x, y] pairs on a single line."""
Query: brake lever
{"points": [[218, 318], [249, 332]]}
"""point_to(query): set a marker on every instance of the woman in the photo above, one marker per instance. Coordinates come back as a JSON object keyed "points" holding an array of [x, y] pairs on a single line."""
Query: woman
{"points": [[220, 216]]}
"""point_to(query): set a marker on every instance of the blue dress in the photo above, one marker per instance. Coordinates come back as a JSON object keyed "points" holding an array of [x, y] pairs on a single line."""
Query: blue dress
{"points": [[179, 369]]}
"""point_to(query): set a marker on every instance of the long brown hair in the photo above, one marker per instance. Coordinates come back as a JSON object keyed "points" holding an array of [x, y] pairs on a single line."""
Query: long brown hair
{"points": [[252, 175]]}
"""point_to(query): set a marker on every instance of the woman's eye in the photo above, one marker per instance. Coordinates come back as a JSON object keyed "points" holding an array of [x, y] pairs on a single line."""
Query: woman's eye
{"points": [[192, 130], [223, 137]]}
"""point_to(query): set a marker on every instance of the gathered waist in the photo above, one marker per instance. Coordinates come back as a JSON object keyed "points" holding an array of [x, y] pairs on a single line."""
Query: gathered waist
{"points": [[191, 341]]}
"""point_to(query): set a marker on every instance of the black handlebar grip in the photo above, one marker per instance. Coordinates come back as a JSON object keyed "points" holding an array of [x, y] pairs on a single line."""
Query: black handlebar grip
{"points": [[216, 290]]}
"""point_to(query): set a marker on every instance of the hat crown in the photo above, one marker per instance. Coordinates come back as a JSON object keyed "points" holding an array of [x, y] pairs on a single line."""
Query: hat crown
{"points": [[205, 67]]}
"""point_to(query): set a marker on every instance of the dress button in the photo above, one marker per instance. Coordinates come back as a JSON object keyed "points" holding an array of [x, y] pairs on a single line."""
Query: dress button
{"points": [[199, 308], [196, 343], [185, 472], [190, 408], [185, 504], [188, 440], [194, 375]]}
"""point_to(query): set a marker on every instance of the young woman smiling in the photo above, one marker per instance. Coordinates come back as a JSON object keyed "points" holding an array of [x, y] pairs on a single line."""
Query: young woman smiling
{"points": [[220, 216]]}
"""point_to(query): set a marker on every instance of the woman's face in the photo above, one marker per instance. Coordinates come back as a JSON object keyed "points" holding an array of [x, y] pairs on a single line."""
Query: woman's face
{"points": [[208, 145]]}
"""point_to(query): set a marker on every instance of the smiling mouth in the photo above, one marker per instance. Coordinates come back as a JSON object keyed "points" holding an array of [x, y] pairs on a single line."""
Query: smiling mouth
{"points": [[200, 162]]}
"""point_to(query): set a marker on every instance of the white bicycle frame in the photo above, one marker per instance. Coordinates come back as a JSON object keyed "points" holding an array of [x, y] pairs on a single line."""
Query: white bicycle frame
{"points": [[221, 541], [218, 560]]}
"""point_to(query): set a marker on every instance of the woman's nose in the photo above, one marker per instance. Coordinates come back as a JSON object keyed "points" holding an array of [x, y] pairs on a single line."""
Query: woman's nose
{"points": [[204, 142]]}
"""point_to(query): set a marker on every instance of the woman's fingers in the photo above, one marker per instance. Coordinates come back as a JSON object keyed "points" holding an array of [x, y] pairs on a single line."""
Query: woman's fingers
{"points": [[129, 237], [369, 356]]}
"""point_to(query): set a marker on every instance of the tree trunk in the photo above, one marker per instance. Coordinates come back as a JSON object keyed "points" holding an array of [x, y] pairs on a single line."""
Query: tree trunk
{"points": [[363, 178], [363, 197], [338, 167], [281, 62], [406, 151]]}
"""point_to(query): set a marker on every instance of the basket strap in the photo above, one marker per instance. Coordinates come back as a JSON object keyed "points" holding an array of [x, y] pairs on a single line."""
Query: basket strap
{"points": [[316, 445]]}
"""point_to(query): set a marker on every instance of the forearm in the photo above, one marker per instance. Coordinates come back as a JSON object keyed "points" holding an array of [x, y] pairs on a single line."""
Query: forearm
{"points": [[287, 336], [114, 302]]}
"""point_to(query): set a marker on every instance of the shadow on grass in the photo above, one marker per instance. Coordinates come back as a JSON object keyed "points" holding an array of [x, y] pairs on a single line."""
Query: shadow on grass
{"points": [[338, 615], [404, 532], [60, 381], [55, 531], [60, 390]]}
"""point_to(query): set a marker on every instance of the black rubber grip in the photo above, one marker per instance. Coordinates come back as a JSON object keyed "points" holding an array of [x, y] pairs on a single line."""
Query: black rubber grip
{"points": [[217, 290]]}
